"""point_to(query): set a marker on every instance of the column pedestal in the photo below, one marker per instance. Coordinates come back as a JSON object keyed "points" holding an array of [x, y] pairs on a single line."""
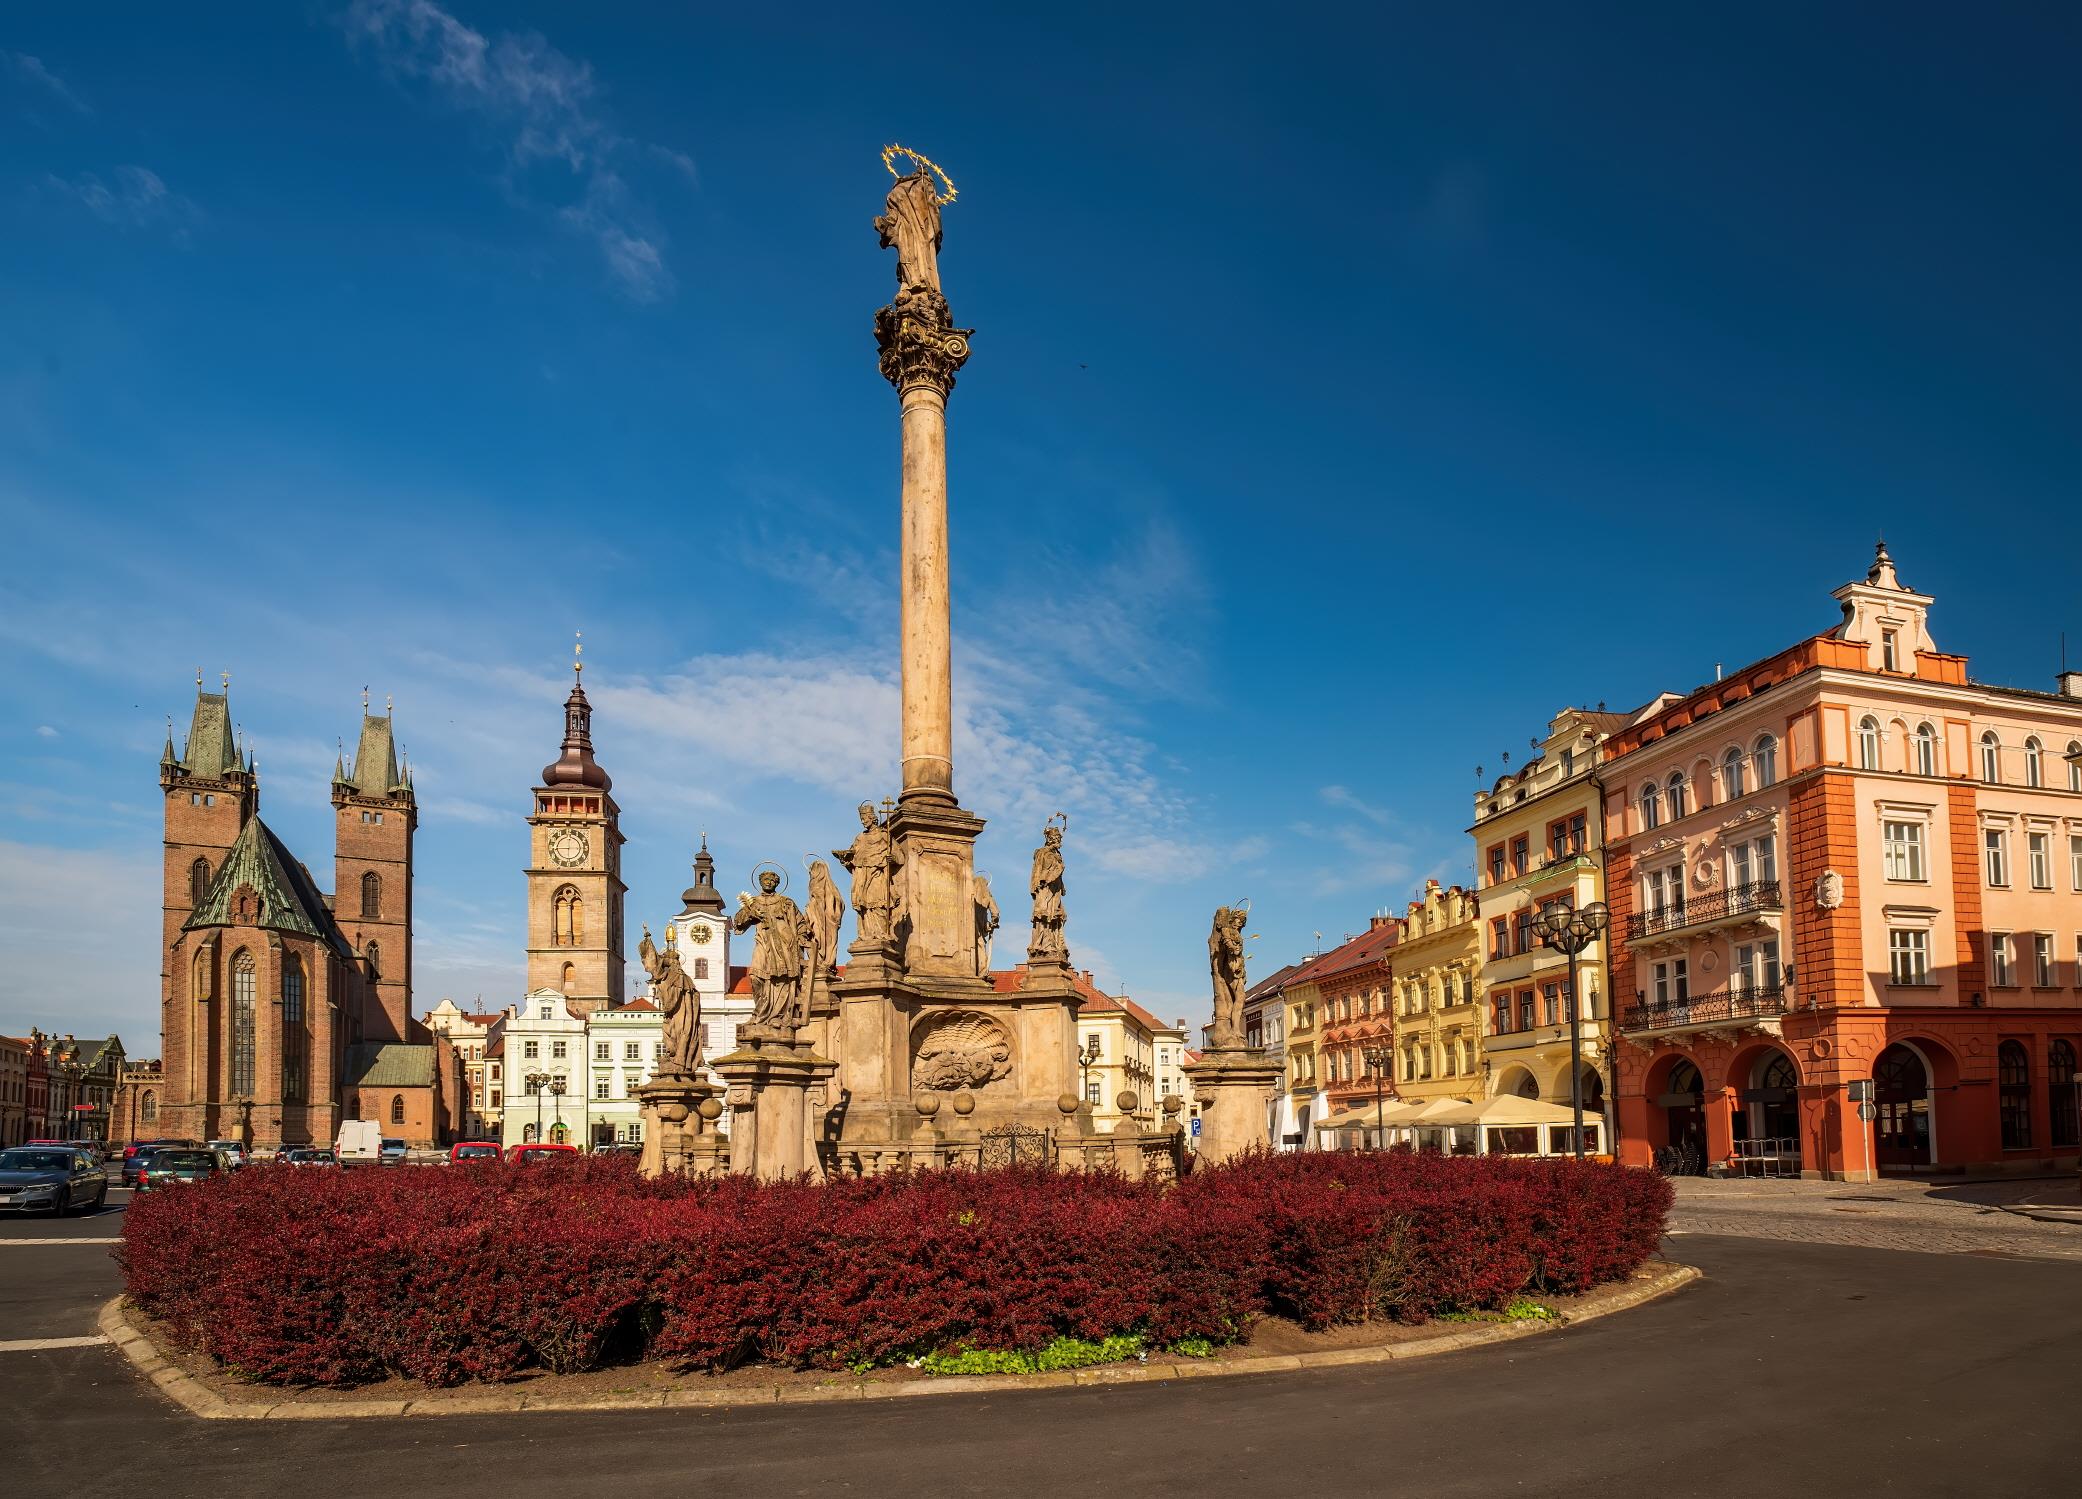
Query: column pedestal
{"points": [[679, 1127], [776, 1095], [1234, 1087]]}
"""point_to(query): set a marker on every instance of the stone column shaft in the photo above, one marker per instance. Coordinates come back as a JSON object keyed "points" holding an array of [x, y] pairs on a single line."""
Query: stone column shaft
{"points": [[928, 687]]}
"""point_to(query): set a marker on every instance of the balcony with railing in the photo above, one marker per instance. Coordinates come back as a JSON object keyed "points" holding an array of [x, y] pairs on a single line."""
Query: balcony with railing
{"points": [[1735, 1006], [1737, 903]]}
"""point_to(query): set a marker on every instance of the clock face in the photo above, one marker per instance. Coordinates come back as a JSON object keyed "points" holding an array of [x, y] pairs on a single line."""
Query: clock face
{"points": [[699, 933], [568, 847]]}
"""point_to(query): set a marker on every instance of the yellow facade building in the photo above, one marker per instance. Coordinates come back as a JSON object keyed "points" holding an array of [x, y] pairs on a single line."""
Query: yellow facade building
{"points": [[1538, 837], [1438, 1012]]}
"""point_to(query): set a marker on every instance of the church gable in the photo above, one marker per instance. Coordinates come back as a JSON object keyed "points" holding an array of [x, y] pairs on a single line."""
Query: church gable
{"points": [[260, 884]]}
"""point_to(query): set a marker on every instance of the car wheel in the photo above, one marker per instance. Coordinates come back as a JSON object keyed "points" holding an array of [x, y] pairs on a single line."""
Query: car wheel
{"points": [[61, 1204], [101, 1198]]}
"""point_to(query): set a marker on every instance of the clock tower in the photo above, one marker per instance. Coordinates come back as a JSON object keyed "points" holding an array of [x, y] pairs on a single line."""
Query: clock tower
{"points": [[575, 888]]}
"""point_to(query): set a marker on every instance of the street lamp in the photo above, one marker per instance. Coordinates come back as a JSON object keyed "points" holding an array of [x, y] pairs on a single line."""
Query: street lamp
{"points": [[537, 1081], [1569, 931], [1085, 1058], [1378, 1059]]}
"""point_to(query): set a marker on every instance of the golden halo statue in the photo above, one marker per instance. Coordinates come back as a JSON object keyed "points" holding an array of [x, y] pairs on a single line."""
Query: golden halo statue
{"points": [[890, 153]]}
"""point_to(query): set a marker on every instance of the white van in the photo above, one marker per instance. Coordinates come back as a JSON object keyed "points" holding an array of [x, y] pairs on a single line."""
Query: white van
{"points": [[360, 1143]]}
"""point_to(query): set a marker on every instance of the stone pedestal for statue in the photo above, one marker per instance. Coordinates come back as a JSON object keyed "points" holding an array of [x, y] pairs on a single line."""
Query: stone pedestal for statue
{"points": [[776, 1092], [1234, 1086], [679, 1127]]}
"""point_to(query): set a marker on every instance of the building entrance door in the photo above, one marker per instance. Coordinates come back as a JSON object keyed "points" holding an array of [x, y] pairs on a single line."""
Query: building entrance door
{"points": [[1901, 1093], [1684, 1115]]}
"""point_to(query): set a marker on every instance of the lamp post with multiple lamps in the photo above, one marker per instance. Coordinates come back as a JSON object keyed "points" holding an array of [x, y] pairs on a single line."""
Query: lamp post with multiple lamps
{"points": [[1378, 1060], [1569, 931], [1085, 1058], [537, 1082]]}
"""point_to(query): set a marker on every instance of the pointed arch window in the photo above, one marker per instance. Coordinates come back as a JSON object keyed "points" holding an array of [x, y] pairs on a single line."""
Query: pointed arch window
{"points": [[371, 895], [242, 1024], [1651, 806], [568, 918], [375, 956], [1731, 773], [1764, 756], [2034, 762], [1991, 758], [148, 1107], [1868, 743], [1926, 750], [198, 882], [296, 1036]]}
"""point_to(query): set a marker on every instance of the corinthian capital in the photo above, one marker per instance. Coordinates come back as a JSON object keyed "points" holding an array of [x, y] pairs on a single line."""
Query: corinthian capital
{"points": [[919, 342]]}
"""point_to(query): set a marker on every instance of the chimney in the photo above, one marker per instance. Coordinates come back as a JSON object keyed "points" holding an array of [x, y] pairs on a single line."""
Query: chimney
{"points": [[2070, 683]]}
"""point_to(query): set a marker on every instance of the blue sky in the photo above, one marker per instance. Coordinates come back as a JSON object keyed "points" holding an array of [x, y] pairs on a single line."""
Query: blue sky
{"points": [[1324, 359]]}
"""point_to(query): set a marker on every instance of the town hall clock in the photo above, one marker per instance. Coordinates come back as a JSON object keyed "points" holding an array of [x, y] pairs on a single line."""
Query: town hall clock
{"points": [[568, 847]]}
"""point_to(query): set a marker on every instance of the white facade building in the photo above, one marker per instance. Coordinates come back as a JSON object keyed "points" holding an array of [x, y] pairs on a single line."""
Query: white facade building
{"points": [[471, 1034], [701, 932], [542, 1047], [621, 1053]]}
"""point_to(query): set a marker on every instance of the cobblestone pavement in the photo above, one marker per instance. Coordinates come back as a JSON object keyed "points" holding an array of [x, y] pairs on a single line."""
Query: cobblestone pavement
{"points": [[2037, 1219]]}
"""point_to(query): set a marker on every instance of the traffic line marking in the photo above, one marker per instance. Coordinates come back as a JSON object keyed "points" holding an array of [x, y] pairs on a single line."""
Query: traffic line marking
{"points": [[37, 1345], [34, 1243]]}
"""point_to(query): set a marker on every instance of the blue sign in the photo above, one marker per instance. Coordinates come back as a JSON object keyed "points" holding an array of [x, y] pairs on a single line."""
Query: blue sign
{"points": [[1196, 1129]]}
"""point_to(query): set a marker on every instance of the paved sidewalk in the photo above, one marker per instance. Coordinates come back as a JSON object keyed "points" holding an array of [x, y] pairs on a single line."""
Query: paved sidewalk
{"points": [[2041, 1219]]}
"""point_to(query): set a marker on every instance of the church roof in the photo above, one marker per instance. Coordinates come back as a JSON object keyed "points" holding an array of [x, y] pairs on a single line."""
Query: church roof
{"points": [[375, 771], [210, 750], [289, 900], [390, 1064]]}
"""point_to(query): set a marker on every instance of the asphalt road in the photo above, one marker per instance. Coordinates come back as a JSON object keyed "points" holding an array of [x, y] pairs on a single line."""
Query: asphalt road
{"points": [[1792, 1369]]}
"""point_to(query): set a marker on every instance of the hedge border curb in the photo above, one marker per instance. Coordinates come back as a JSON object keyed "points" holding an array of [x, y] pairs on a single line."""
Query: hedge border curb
{"points": [[199, 1400]]}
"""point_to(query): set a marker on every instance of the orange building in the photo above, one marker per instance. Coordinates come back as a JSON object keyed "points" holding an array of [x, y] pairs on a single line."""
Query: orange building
{"points": [[1353, 982], [1848, 873]]}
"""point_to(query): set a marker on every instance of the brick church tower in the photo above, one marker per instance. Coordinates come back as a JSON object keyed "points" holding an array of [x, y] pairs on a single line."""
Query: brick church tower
{"points": [[374, 816], [209, 793], [575, 888]]}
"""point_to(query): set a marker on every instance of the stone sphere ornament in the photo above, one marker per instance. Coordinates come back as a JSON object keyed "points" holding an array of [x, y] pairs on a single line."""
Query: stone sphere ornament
{"points": [[1067, 1102], [710, 1108], [1128, 1100], [965, 1104], [927, 1104]]}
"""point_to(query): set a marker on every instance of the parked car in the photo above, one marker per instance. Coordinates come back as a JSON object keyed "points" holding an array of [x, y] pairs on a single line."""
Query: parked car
{"points": [[133, 1151], [391, 1152], [537, 1152], [85, 1147], [233, 1152], [472, 1150], [172, 1167], [50, 1179], [304, 1155]]}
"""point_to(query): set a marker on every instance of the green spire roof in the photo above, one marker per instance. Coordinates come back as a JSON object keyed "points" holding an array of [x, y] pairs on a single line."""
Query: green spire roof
{"points": [[375, 770], [289, 901], [210, 749]]}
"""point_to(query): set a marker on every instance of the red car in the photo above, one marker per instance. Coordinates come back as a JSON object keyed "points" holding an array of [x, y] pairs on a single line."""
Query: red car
{"points": [[536, 1152], [473, 1150]]}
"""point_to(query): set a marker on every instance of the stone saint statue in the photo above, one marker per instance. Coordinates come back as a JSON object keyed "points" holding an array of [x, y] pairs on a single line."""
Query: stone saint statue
{"points": [[912, 227], [678, 1000], [780, 995], [1225, 963], [1046, 886], [872, 860], [826, 909], [986, 921]]}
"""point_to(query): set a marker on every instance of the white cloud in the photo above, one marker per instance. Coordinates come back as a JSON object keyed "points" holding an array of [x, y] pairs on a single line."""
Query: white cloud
{"points": [[80, 928], [134, 198], [544, 105], [45, 731], [39, 77]]}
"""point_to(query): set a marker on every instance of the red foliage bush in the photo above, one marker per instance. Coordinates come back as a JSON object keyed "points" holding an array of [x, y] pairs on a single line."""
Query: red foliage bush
{"points": [[446, 1274]]}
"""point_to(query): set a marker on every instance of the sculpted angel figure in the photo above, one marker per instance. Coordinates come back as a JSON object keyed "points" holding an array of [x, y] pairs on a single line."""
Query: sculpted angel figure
{"points": [[1225, 963], [872, 860], [678, 1000], [780, 996], [986, 920], [911, 225], [1046, 887]]}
